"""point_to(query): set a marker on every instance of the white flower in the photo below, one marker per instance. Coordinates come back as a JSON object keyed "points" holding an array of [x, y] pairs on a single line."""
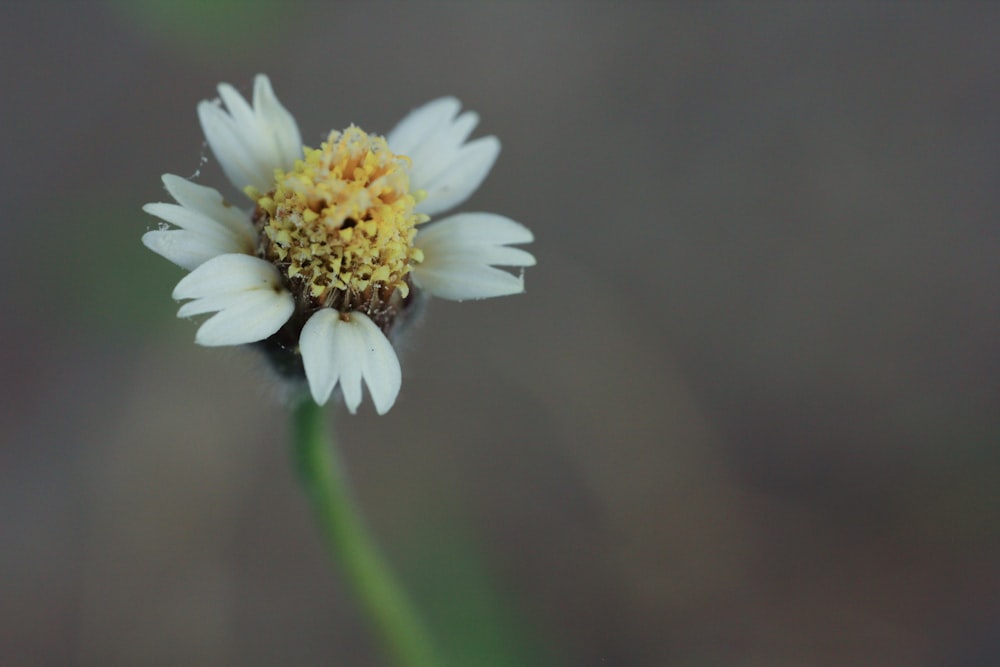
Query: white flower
{"points": [[319, 267]]}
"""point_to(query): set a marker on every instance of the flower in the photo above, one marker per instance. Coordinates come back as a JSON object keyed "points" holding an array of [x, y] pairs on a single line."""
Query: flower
{"points": [[334, 252]]}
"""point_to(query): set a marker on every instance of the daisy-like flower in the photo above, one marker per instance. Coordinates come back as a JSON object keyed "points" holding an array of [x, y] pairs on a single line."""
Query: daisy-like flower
{"points": [[335, 248]]}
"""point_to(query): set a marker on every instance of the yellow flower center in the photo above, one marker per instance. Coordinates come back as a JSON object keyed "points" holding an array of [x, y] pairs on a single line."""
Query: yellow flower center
{"points": [[340, 225]]}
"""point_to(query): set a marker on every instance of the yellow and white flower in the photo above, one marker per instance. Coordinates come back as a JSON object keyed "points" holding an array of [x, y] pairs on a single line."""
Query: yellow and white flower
{"points": [[334, 250]]}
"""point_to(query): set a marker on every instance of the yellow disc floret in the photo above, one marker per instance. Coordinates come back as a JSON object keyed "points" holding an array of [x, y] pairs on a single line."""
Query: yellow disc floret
{"points": [[341, 224]]}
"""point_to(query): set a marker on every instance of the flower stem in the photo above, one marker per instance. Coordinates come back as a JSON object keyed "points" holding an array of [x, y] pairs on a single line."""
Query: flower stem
{"points": [[399, 628]]}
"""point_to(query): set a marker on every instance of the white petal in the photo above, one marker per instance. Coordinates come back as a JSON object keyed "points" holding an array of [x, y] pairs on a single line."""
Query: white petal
{"points": [[284, 130], [239, 110], [463, 174], [443, 165], [247, 318], [460, 253], [233, 150], [439, 149], [197, 223], [421, 123], [251, 142], [322, 344], [208, 225], [186, 249], [381, 369], [345, 352], [460, 281], [247, 294], [210, 203], [490, 255], [228, 273], [471, 230], [213, 303]]}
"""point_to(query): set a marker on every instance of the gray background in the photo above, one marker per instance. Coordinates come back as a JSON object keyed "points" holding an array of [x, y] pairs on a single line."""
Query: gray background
{"points": [[746, 413]]}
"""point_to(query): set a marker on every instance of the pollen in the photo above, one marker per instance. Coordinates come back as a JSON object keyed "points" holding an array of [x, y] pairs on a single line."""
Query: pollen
{"points": [[340, 225]]}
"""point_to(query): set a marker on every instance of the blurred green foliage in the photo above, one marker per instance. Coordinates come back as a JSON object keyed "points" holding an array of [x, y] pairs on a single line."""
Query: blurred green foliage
{"points": [[476, 620], [128, 287], [227, 27]]}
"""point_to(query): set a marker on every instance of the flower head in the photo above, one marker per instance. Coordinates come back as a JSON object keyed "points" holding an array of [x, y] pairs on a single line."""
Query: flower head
{"points": [[336, 245]]}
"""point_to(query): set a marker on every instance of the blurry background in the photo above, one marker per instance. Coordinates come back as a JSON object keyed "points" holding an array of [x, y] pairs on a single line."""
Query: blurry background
{"points": [[746, 414]]}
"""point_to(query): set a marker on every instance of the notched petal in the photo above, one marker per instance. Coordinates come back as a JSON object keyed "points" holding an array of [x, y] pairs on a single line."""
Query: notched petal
{"points": [[245, 293], [455, 181], [246, 317], [422, 123], [462, 251], [349, 352], [250, 142], [461, 281]]}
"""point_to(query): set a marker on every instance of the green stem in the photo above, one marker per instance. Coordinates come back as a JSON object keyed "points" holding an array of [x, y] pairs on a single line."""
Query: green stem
{"points": [[362, 566]]}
